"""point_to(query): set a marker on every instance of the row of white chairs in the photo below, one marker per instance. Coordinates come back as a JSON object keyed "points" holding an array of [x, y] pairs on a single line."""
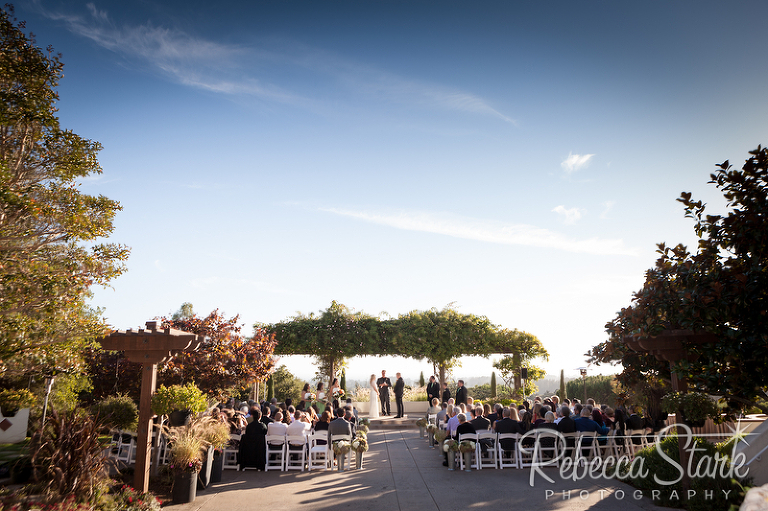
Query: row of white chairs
{"points": [[548, 447], [297, 452]]}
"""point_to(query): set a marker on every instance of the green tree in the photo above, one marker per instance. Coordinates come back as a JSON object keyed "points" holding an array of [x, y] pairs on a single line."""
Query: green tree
{"points": [[49, 254], [286, 384], [421, 379], [721, 289], [270, 388], [186, 311], [562, 393], [493, 384], [600, 388]]}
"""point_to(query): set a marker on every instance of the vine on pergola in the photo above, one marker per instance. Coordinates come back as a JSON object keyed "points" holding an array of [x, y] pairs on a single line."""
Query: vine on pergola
{"points": [[440, 336]]}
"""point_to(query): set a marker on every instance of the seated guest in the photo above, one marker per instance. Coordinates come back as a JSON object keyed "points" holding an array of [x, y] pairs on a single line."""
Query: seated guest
{"points": [[299, 426], [549, 422], [265, 415], [322, 423], [479, 422], [289, 417], [277, 427], [526, 425], [507, 425], [585, 423], [351, 419], [442, 415], [253, 444], [434, 407], [487, 411], [496, 415], [354, 410], [566, 424], [348, 409], [339, 426], [453, 421], [464, 427]]}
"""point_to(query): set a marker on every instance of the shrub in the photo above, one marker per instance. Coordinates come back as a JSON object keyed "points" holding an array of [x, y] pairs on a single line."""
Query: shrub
{"points": [[178, 397], [11, 401], [68, 457], [119, 412], [656, 465]]}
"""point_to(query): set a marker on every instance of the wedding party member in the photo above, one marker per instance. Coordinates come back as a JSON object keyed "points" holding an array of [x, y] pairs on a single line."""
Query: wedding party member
{"points": [[446, 393], [433, 389], [253, 444], [335, 387], [373, 392], [384, 384], [461, 393], [399, 390]]}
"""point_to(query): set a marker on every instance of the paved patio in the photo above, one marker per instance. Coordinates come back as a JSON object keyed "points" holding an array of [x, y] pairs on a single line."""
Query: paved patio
{"points": [[401, 472]]}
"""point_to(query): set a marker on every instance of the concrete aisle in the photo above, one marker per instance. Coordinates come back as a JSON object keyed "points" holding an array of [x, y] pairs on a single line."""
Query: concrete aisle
{"points": [[401, 472]]}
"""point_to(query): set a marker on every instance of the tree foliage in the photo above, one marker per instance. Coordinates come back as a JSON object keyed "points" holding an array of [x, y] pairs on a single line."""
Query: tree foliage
{"points": [[49, 255], [720, 289], [225, 359], [601, 388]]}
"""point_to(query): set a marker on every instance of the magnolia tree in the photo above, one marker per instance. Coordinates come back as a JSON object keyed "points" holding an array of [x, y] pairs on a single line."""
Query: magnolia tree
{"points": [[721, 288], [50, 255]]}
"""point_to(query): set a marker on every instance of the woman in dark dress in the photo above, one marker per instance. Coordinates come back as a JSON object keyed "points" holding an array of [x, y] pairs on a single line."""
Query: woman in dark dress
{"points": [[253, 444]]}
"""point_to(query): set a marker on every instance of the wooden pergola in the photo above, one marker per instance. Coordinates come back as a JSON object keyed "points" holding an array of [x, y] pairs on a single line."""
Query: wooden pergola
{"points": [[149, 347]]}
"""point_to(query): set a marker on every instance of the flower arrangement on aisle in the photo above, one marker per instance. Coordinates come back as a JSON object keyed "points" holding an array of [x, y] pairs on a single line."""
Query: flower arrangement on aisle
{"points": [[450, 445], [341, 447], [360, 444], [432, 429], [422, 423], [364, 422], [440, 435], [467, 446]]}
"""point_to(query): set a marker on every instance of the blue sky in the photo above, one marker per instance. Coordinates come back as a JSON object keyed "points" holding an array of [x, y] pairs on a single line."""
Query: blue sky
{"points": [[517, 159]]}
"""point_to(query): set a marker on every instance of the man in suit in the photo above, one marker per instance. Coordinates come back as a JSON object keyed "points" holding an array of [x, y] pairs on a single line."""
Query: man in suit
{"points": [[339, 425], [461, 393], [399, 389], [479, 422], [446, 393], [433, 389], [384, 384]]}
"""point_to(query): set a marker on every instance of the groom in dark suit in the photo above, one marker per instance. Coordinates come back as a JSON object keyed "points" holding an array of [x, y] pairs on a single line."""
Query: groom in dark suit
{"points": [[384, 384], [399, 389]]}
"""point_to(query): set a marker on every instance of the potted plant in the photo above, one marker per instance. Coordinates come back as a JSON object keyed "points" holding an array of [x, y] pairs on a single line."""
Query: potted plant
{"points": [[11, 401], [696, 407], [467, 447], [187, 451], [359, 445], [431, 430], [216, 434], [341, 449], [421, 423], [119, 412], [451, 447], [178, 402]]}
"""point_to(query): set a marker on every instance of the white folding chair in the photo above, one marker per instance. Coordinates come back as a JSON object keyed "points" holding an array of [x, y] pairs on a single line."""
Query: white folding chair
{"points": [[546, 449], [338, 438], [475, 459], [570, 445], [275, 452], [319, 456], [586, 447], [635, 441], [489, 456], [610, 448], [507, 459], [431, 418], [296, 452], [230, 452], [126, 448]]}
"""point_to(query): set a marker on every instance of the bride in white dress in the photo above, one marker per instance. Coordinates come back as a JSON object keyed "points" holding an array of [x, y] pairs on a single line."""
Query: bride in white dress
{"points": [[373, 412]]}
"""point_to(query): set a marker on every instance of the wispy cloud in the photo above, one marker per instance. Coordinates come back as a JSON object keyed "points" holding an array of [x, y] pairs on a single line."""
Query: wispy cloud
{"points": [[571, 215], [244, 70], [608, 206], [487, 231], [575, 162]]}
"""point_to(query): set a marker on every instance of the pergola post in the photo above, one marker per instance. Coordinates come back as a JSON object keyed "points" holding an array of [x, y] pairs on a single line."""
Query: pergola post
{"points": [[148, 347], [143, 442]]}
